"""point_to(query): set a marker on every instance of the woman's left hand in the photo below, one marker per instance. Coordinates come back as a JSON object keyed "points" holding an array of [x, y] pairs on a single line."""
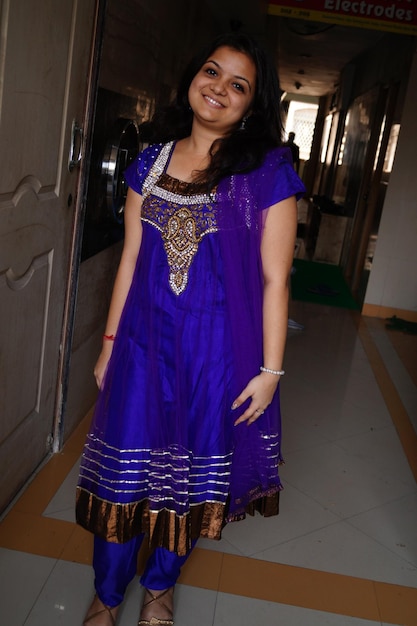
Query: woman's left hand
{"points": [[261, 389]]}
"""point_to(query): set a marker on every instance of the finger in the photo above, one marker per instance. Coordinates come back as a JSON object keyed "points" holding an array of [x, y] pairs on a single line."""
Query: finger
{"points": [[255, 416], [250, 415], [240, 399]]}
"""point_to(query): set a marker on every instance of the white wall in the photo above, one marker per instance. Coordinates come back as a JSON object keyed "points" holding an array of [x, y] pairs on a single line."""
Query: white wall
{"points": [[392, 286]]}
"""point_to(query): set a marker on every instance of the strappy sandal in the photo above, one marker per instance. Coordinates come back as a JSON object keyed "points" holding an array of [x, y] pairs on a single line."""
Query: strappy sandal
{"points": [[105, 609], [157, 621]]}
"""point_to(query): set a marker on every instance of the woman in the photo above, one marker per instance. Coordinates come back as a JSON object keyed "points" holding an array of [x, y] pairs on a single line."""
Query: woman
{"points": [[186, 433]]}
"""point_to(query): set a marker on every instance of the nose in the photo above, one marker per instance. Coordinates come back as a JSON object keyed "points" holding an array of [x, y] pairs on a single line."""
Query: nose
{"points": [[218, 87]]}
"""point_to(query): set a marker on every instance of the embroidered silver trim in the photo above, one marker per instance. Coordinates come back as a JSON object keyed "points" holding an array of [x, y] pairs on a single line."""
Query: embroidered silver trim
{"points": [[170, 478], [163, 451], [177, 198], [150, 185]]}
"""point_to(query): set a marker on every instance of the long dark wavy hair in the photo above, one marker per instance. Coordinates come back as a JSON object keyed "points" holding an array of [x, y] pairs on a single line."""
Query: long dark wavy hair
{"points": [[244, 148]]}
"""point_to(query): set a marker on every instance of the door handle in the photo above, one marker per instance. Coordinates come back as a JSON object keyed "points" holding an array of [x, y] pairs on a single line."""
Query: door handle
{"points": [[76, 148]]}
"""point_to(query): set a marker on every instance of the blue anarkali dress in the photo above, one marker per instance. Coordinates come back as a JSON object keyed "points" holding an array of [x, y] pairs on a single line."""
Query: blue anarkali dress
{"points": [[163, 456]]}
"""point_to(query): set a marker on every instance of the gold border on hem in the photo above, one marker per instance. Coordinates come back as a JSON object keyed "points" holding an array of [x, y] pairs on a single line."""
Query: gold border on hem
{"points": [[118, 523]]}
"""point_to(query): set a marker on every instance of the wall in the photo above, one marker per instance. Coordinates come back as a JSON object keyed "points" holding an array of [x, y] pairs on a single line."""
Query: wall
{"points": [[392, 286], [389, 60], [93, 298], [147, 44]]}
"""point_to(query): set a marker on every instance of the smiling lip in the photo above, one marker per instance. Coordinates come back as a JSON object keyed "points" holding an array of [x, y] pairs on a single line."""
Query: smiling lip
{"points": [[213, 102]]}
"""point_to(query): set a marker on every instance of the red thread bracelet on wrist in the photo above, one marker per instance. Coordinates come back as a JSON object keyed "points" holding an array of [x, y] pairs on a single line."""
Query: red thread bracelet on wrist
{"points": [[109, 337]]}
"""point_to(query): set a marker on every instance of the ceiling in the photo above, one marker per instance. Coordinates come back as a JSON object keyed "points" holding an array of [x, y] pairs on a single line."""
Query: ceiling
{"points": [[310, 55]]}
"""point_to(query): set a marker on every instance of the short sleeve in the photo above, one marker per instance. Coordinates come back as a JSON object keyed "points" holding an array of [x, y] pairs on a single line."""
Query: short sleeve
{"points": [[277, 179], [137, 171]]}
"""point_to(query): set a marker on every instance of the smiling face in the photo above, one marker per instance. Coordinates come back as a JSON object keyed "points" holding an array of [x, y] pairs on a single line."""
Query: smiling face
{"points": [[222, 91]]}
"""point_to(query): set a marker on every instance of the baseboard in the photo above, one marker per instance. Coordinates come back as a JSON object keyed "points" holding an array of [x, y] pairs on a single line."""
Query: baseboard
{"points": [[383, 312]]}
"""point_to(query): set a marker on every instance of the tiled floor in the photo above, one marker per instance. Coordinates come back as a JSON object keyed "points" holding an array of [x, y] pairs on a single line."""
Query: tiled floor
{"points": [[342, 552]]}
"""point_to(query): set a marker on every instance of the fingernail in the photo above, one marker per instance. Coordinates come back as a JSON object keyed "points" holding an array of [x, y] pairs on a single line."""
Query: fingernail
{"points": [[234, 405]]}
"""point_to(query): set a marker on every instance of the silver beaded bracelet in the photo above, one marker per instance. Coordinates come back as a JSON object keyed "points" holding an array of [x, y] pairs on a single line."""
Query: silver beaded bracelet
{"points": [[275, 372]]}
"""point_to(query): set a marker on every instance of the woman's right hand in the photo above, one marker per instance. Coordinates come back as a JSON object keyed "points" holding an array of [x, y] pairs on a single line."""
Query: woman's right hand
{"points": [[102, 362]]}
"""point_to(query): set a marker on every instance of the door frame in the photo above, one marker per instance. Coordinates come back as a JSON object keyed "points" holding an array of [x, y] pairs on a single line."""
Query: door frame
{"points": [[362, 233], [87, 126]]}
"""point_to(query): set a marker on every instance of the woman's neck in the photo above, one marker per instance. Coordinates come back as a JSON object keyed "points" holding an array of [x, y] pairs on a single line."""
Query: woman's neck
{"points": [[199, 142], [191, 155]]}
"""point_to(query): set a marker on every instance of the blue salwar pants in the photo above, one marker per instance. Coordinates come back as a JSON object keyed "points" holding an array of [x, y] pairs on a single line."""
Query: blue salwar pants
{"points": [[115, 566]]}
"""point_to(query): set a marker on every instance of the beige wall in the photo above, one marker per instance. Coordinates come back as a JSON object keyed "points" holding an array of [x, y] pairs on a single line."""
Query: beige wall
{"points": [[392, 286]]}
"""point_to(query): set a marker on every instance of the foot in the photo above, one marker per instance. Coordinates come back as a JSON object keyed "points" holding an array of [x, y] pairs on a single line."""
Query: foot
{"points": [[100, 615], [157, 608]]}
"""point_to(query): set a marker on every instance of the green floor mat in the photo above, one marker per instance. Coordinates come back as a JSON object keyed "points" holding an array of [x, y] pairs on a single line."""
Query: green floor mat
{"points": [[321, 283]]}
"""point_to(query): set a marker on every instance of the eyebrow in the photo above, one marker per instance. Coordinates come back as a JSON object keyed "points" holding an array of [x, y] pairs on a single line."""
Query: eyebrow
{"points": [[236, 75]]}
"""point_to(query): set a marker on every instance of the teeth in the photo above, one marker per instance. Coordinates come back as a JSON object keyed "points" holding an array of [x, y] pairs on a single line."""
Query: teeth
{"points": [[213, 101]]}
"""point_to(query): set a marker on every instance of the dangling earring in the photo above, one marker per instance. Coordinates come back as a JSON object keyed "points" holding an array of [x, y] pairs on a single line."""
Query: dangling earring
{"points": [[243, 123]]}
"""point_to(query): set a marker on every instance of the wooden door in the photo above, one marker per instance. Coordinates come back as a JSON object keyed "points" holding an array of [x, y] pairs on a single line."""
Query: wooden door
{"points": [[44, 75]]}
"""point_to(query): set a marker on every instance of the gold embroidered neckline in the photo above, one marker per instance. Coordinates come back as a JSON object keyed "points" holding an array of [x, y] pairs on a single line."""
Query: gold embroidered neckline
{"points": [[181, 187], [184, 217]]}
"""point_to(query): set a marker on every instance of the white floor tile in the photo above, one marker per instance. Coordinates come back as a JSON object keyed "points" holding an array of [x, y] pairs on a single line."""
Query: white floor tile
{"points": [[318, 414], [296, 436], [194, 606], [381, 452], [68, 593], [341, 482], [62, 505], [65, 597], [393, 525], [342, 549], [299, 516], [22, 578]]}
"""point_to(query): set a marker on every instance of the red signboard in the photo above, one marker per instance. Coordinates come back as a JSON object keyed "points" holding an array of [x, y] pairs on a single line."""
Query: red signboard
{"points": [[399, 16]]}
